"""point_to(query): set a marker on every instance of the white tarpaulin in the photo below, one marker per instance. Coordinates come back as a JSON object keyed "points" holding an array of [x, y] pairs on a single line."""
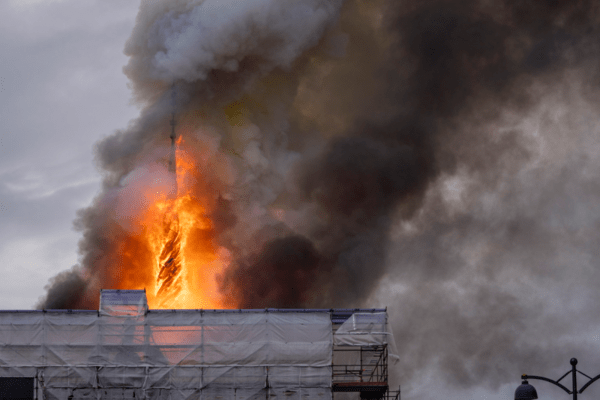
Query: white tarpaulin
{"points": [[366, 329], [175, 354], [123, 302]]}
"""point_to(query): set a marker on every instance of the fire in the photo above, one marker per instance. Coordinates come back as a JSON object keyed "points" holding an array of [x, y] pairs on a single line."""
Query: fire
{"points": [[180, 237]]}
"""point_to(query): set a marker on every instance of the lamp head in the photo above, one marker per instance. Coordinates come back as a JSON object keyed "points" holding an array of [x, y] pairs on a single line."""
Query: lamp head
{"points": [[525, 392]]}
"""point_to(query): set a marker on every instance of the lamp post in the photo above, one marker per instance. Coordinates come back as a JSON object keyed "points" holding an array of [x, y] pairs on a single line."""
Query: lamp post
{"points": [[528, 392]]}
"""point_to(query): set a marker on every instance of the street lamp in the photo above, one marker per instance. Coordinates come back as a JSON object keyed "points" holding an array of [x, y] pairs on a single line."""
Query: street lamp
{"points": [[527, 392]]}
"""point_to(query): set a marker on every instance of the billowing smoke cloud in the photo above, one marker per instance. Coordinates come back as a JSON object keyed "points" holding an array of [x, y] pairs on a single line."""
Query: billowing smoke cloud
{"points": [[64, 291], [436, 156]]}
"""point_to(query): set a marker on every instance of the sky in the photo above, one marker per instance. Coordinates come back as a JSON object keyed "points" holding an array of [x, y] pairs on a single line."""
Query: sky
{"points": [[62, 89], [495, 274]]}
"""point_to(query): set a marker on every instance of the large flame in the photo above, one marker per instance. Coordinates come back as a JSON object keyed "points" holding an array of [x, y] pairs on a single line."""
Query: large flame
{"points": [[180, 236]]}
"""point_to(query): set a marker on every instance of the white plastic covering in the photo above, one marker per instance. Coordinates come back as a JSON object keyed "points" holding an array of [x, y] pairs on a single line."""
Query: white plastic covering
{"points": [[366, 329], [123, 302], [182, 354]]}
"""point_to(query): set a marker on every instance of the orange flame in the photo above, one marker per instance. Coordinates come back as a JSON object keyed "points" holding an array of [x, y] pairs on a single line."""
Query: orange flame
{"points": [[180, 235]]}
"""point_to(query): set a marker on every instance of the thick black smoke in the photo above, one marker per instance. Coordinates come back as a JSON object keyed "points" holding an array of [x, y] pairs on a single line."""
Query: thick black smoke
{"points": [[438, 157], [64, 291], [280, 275]]}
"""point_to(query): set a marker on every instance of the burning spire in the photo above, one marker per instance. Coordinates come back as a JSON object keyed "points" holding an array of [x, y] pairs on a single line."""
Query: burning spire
{"points": [[170, 258]]}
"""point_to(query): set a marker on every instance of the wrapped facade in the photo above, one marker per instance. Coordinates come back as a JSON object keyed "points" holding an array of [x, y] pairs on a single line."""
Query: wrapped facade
{"points": [[131, 352]]}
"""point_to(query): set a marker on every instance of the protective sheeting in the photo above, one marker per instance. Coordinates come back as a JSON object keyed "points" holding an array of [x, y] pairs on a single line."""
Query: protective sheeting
{"points": [[123, 302], [177, 354], [367, 329]]}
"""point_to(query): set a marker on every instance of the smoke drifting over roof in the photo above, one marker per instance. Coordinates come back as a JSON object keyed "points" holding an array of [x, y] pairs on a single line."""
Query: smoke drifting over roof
{"points": [[439, 157]]}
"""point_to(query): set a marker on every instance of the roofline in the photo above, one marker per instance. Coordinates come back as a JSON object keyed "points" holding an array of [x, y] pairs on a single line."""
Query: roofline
{"points": [[232, 311], [338, 315]]}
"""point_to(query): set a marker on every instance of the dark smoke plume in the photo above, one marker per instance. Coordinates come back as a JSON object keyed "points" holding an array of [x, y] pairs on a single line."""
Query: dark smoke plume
{"points": [[64, 291], [280, 275], [436, 156]]}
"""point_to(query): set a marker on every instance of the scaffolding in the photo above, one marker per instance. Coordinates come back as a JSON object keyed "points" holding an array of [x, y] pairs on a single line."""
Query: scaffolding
{"points": [[126, 351], [361, 351]]}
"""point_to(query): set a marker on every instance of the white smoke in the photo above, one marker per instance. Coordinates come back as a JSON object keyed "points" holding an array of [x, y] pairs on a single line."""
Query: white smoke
{"points": [[187, 40]]}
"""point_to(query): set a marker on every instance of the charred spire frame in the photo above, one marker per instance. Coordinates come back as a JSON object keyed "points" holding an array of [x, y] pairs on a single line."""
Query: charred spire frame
{"points": [[173, 136]]}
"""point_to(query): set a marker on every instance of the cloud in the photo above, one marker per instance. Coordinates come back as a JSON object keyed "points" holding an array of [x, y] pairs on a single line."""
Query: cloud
{"points": [[62, 88]]}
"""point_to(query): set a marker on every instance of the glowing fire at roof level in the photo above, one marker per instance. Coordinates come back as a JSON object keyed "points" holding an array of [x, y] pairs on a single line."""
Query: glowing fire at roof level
{"points": [[170, 257]]}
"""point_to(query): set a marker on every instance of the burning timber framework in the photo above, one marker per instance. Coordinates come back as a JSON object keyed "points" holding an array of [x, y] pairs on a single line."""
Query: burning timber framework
{"points": [[125, 351]]}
